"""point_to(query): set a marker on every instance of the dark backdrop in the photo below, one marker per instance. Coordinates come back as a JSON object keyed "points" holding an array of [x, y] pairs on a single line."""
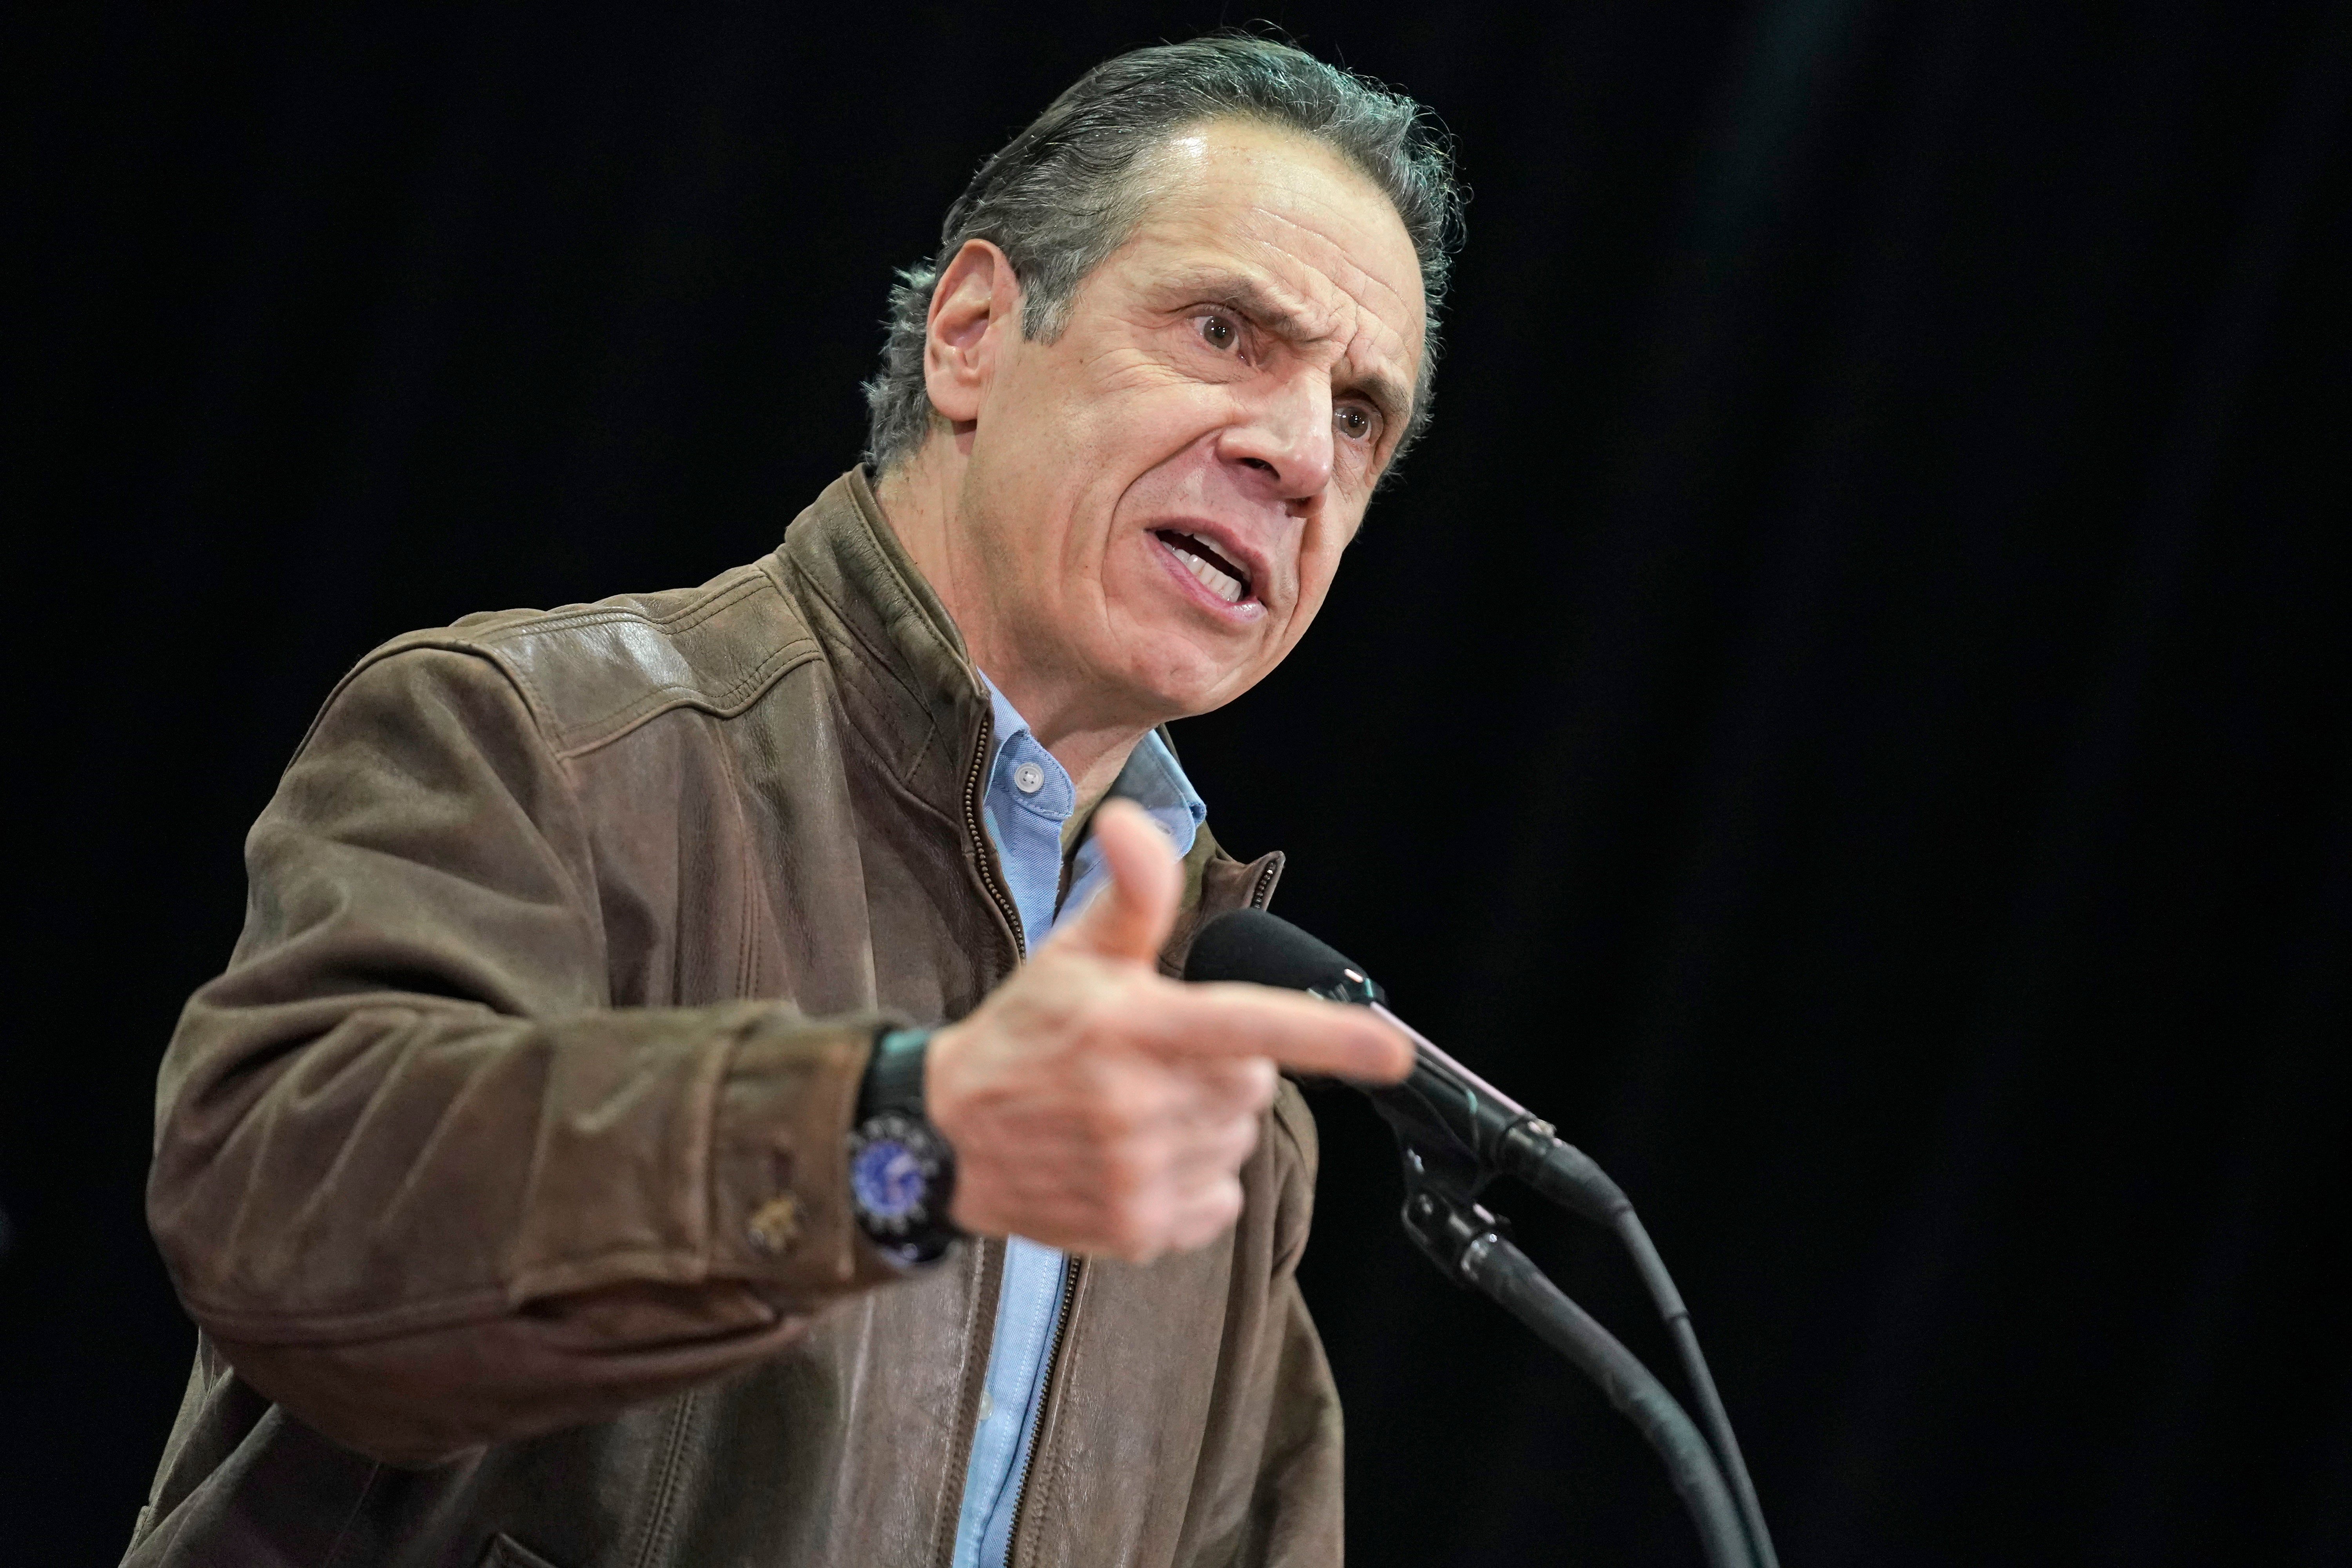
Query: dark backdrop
{"points": [[1847, 710]]}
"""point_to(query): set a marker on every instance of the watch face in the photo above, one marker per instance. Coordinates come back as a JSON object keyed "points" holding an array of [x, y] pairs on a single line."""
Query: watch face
{"points": [[899, 1177], [888, 1180]]}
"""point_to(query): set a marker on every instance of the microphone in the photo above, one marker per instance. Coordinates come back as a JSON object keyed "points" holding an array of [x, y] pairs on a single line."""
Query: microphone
{"points": [[1463, 1128]]}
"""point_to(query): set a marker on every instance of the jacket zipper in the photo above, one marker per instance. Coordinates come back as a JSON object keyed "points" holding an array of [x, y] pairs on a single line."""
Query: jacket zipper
{"points": [[1071, 1266], [992, 880], [1259, 891], [990, 877], [1044, 1403]]}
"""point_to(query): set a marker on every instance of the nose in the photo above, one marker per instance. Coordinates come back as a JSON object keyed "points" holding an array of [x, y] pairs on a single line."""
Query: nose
{"points": [[1282, 432]]}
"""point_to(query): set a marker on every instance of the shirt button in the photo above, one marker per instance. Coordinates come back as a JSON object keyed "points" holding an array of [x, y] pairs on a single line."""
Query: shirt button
{"points": [[987, 1405], [1028, 778]]}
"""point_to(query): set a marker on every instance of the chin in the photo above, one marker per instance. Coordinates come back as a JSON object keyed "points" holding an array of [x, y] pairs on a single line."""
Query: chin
{"points": [[1187, 682]]}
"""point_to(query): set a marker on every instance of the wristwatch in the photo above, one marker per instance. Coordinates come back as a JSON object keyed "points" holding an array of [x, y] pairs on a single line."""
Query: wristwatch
{"points": [[901, 1171]]}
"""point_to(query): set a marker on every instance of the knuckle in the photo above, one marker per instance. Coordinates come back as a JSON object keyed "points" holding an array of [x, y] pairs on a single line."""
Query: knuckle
{"points": [[1241, 1138], [1117, 1112], [1102, 1122], [1092, 1026], [1129, 1171], [1136, 1230], [1243, 1088], [1212, 1215]]}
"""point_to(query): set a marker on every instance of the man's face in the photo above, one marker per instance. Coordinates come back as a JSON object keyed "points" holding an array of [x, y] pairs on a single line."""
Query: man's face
{"points": [[1155, 503]]}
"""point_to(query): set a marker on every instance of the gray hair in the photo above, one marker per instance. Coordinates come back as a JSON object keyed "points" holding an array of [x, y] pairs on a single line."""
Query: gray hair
{"points": [[1059, 197]]}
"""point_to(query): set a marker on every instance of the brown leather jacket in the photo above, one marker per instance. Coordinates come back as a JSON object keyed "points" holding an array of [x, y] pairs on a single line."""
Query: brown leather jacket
{"points": [[503, 1170]]}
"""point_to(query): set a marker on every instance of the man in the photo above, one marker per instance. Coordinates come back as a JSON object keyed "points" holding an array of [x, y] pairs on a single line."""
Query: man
{"points": [[566, 1168]]}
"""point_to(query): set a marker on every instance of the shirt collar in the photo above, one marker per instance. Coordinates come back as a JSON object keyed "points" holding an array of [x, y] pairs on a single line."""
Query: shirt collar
{"points": [[1152, 778]]}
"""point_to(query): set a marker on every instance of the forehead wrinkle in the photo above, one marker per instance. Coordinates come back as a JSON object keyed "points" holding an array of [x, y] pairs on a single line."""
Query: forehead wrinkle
{"points": [[1357, 276], [1365, 292], [1301, 242]]}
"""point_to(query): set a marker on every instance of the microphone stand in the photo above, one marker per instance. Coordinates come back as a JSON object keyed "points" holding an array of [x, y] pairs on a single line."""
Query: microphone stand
{"points": [[1469, 1246], [1451, 1153]]}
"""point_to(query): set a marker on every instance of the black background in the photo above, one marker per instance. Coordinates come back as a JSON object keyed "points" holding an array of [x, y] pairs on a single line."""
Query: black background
{"points": [[1846, 711]]}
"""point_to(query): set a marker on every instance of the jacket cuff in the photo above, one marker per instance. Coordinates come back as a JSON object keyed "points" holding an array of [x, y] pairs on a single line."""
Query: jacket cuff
{"points": [[780, 1165]]}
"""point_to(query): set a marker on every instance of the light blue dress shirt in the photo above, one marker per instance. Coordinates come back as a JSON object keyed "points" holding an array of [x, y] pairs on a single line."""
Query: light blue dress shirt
{"points": [[1029, 799]]}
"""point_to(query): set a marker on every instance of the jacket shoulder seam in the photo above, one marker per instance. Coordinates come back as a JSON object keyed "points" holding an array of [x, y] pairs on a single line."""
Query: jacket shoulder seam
{"points": [[571, 739], [590, 734], [439, 640], [568, 738]]}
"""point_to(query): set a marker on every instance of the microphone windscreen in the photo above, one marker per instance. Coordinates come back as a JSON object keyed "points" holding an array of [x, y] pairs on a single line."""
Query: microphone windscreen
{"points": [[1250, 945]]}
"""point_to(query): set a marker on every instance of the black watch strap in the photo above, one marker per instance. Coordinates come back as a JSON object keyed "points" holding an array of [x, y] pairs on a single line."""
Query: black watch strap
{"points": [[893, 1075]]}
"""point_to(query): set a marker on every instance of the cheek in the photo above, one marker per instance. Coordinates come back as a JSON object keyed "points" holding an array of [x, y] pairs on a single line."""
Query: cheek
{"points": [[1153, 418]]}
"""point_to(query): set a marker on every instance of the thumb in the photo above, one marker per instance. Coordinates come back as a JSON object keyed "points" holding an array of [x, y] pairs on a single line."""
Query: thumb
{"points": [[1130, 917]]}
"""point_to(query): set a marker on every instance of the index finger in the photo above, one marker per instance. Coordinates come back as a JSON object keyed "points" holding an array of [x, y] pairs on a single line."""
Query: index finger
{"points": [[1235, 1018]]}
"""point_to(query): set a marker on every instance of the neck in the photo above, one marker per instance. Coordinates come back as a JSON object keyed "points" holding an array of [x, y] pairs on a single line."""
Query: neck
{"points": [[921, 498]]}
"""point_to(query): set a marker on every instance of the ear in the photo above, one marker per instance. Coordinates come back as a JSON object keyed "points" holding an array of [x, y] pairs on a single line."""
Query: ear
{"points": [[976, 302]]}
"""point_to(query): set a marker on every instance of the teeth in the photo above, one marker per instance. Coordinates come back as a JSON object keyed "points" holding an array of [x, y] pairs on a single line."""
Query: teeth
{"points": [[1229, 589], [1224, 584]]}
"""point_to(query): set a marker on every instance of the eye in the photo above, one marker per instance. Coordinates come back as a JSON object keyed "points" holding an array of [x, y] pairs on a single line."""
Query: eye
{"points": [[1219, 332], [1355, 423]]}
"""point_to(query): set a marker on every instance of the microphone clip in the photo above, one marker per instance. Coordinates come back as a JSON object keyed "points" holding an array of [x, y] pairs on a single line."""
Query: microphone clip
{"points": [[1453, 1230]]}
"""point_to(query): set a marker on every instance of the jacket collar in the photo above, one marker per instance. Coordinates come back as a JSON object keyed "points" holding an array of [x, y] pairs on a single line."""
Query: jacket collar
{"points": [[906, 682]]}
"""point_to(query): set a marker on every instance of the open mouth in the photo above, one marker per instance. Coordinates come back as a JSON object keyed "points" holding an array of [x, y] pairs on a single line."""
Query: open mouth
{"points": [[1219, 575]]}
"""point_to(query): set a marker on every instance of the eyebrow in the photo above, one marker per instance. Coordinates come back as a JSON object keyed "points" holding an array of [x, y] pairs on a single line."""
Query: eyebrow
{"points": [[1245, 296]]}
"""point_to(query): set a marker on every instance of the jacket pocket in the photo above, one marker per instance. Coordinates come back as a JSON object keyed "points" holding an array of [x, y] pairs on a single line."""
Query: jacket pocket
{"points": [[504, 1552]]}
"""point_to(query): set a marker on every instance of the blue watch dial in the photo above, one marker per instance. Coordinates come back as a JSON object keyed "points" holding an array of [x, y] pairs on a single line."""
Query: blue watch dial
{"points": [[889, 1179], [901, 1181]]}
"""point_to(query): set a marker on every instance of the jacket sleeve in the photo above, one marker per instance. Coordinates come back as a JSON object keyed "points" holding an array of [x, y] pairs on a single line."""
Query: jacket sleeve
{"points": [[422, 1184]]}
